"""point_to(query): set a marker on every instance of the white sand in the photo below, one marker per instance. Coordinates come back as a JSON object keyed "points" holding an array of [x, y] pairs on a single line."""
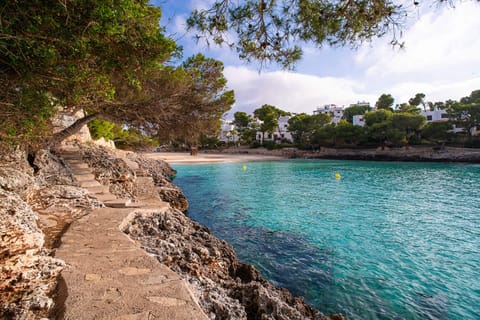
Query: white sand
{"points": [[180, 157]]}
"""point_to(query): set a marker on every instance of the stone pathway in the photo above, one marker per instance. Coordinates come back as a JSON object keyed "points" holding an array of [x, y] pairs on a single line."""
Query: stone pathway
{"points": [[108, 276]]}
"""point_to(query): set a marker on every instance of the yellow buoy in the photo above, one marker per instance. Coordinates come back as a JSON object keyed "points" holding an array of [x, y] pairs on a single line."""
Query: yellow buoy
{"points": [[338, 176], [244, 168]]}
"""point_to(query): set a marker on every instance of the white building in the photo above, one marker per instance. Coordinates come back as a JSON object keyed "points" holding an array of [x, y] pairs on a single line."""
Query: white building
{"points": [[358, 120], [438, 115], [281, 132], [335, 112], [435, 115], [228, 132]]}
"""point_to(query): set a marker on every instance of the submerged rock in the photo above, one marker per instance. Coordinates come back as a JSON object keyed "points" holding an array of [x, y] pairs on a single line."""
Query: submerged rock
{"points": [[225, 287]]}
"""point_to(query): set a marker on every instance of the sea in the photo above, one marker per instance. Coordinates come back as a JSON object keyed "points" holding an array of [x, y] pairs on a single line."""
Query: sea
{"points": [[369, 240]]}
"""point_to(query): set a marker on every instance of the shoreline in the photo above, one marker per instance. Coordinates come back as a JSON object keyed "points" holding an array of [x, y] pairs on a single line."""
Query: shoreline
{"points": [[405, 154], [210, 157]]}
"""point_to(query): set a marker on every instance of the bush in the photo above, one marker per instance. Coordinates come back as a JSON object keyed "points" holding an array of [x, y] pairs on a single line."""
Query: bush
{"points": [[473, 143], [255, 144], [101, 128]]}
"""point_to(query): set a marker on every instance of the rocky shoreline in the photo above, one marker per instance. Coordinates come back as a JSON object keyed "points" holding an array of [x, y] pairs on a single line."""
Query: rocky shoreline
{"points": [[407, 154], [40, 198]]}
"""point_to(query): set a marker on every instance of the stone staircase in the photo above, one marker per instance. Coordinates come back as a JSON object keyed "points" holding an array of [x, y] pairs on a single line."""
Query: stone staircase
{"points": [[108, 276], [86, 179]]}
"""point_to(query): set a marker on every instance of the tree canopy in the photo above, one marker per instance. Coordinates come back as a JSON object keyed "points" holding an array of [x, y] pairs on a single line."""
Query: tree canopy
{"points": [[89, 54], [354, 110], [107, 58], [274, 30], [303, 126], [241, 120], [385, 101], [269, 115]]}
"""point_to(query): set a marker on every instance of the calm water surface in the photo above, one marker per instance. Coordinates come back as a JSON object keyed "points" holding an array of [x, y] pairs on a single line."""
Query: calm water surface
{"points": [[386, 241]]}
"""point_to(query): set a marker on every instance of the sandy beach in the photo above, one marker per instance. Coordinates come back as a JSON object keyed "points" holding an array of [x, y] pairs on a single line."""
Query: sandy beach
{"points": [[184, 157]]}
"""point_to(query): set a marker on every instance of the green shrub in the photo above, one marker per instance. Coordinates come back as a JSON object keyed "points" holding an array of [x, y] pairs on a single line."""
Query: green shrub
{"points": [[473, 143], [101, 128]]}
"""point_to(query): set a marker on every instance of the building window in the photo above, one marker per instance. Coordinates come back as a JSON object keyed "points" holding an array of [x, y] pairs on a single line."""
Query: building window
{"points": [[429, 118], [444, 115]]}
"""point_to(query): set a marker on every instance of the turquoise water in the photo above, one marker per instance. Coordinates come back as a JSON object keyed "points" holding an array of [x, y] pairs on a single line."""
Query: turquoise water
{"points": [[386, 241]]}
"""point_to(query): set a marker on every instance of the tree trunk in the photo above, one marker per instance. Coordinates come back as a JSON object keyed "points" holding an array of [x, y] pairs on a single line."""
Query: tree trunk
{"points": [[58, 137]]}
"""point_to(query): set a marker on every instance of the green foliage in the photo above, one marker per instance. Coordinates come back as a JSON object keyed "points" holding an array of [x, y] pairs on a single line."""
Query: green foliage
{"points": [[417, 100], [270, 31], [208, 142], [269, 115], [437, 132], [131, 139], [199, 100], [408, 124], [248, 136], [385, 101], [472, 143], [242, 120], [324, 137], [304, 126], [377, 116], [474, 97], [81, 54], [465, 115], [404, 107], [349, 112], [348, 135], [101, 128]]}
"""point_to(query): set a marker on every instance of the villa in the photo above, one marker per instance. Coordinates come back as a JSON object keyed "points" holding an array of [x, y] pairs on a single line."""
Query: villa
{"points": [[334, 111], [281, 133]]}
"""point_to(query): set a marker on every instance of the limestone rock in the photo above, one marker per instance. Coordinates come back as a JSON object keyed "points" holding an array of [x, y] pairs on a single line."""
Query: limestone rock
{"points": [[15, 181], [159, 170], [225, 287], [161, 173], [28, 275], [174, 196], [50, 170], [63, 198], [14, 158], [111, 170]]}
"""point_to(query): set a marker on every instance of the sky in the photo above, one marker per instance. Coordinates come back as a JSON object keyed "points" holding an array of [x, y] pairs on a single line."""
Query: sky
{"points": [[441, 59]]}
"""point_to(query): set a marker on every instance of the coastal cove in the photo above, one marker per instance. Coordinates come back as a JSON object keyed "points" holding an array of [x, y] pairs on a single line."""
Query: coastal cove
{"points": [[388, 240]]}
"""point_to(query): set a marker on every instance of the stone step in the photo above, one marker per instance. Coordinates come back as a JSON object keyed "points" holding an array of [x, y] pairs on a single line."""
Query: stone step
{"points": [[104, 197], [118, 203], [89, 184], [81, 171], [98, 189], [70, 157], [84, 177], [78, 165]]}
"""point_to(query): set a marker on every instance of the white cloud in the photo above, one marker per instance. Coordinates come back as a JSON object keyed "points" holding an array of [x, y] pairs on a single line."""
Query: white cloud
{"points": [[441, 55], [441, 59], [289, 91]]}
